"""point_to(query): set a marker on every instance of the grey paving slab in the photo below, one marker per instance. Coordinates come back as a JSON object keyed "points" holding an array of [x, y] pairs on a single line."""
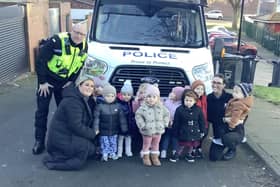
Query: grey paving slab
{"points": [[263, 132]]}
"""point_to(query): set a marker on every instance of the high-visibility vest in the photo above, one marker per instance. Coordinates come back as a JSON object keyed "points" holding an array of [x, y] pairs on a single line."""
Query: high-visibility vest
{"points": [[71, 59]]}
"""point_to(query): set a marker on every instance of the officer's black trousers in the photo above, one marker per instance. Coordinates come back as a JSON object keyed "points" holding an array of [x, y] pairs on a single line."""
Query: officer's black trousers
{"points": [[230, 140], [41, 115]]}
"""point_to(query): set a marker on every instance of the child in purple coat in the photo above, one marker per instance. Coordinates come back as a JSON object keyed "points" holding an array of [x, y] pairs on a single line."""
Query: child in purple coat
{"points": [[173, 101]]}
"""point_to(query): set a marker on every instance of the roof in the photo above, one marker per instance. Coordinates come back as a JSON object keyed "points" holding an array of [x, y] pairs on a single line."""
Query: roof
{"points": [[270, 18]]}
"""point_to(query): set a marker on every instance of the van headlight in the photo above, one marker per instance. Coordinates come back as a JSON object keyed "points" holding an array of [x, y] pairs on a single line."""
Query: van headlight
{"points": [[95, 67], [202, 72]]}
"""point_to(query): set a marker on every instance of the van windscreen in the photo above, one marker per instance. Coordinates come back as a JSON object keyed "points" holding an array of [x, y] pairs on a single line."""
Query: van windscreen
{"points": [[155, 24]]}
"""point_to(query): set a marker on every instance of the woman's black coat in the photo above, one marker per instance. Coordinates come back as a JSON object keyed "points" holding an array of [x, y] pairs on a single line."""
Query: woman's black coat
{"points": [[216, 112], [70, 135]]}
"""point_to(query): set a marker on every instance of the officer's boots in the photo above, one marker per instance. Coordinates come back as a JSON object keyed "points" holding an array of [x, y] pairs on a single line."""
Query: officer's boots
{"points": [[38, 147]]}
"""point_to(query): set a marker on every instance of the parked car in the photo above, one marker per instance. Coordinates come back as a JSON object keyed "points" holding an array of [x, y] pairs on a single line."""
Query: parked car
{"points": [[230, 43], [214, 34], [214, 14], [220, 28]]}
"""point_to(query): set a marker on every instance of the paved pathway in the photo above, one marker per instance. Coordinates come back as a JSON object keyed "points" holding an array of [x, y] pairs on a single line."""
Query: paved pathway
{"points": [[263, 126]]}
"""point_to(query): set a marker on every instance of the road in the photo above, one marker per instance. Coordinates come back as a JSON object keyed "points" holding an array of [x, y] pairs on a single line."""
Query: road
{"points": [[19, 168]]}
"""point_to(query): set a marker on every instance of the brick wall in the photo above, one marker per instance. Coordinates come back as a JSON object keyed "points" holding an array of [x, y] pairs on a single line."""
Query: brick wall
{"points": [[64, 12], [37, 26]]}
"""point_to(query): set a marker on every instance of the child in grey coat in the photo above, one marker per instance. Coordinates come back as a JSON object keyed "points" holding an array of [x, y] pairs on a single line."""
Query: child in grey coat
{"points": [[152, 117]]}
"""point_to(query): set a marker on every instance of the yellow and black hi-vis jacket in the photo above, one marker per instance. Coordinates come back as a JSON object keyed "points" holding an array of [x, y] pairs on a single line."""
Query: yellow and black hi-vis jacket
{"points": [[60, 59]]}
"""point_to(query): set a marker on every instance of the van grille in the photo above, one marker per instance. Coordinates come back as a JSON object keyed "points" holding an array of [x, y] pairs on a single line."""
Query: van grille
{"points": [[169, 77]]}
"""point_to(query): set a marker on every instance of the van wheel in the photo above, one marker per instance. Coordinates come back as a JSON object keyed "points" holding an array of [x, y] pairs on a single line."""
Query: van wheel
{"points": [[220, 18]]}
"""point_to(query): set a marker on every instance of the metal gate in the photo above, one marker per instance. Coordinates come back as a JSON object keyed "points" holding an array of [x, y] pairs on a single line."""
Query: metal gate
{"points": [[13, 48]]}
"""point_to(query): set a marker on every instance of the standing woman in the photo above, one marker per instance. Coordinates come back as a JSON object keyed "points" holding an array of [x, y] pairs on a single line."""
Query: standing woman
{"points": [[70, 136]]}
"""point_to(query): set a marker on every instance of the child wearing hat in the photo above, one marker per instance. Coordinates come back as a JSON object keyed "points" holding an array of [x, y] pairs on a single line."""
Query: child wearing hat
{"points": [[125, 99], [199, 88], [239, 106], [136, 103], [188, 126], [99, 84], [150, 80], [236, 113], [172, 103], [152, 117], [109, 119], [145, 81], [140, 94]]}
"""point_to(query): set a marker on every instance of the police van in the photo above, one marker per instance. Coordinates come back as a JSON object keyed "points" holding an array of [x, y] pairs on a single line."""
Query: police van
{"points": [[165, 39]]}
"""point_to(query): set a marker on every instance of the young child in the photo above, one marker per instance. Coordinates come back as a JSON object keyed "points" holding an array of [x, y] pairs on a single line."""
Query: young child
{"points": [[99, 84], [188, 125], [199, 88], [239, 106], [236, 113], [152, 117], [125, 100], [138, 100], [173, 101], [108, 120], [150, 80], [140, 94]]}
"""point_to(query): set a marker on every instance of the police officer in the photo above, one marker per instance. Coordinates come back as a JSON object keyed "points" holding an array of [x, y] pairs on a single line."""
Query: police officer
{"points": [[59, 63]]}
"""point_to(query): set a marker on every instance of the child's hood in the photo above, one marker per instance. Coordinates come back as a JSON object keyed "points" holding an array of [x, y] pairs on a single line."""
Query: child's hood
{"points": [[248, 101]]}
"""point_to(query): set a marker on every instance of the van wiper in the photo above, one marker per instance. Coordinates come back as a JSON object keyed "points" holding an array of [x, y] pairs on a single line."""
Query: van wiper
{"points": [[175, 50], [124, 48]]}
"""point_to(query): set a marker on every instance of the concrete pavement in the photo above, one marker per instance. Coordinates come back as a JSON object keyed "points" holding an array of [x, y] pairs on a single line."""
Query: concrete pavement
{"points": [[263, 132], [263, 125]]}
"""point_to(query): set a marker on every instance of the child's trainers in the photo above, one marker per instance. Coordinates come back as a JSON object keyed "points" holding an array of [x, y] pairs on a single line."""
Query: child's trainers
{"points": [[174, 158], [163, 154], [197, 153], [104, 158], [129, 154], [244, 140], [119, 155], [189, 157], [114, 156]]}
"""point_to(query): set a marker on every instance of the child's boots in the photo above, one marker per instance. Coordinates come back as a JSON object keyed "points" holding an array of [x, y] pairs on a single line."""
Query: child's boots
{"points": [[155, 160], [128, 146], [146, 159], [120, 146]]}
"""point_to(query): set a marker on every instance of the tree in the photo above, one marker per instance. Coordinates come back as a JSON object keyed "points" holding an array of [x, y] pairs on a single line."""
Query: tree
{"points": [[236, 6]]}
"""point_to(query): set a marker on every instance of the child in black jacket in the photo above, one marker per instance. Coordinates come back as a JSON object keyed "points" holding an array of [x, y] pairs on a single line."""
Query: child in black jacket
{"points": [[109, 118], [188, 125]]}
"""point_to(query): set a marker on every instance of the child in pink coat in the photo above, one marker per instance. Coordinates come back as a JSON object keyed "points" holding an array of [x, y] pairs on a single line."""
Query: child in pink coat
{"points": [[173, 101]]}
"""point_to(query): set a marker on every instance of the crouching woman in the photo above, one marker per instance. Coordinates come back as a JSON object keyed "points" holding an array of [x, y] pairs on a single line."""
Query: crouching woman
{"points": [[71, 136]]}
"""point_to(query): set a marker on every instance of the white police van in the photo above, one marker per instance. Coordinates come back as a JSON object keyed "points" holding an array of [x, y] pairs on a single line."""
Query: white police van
{"points": [[166, 39]]}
